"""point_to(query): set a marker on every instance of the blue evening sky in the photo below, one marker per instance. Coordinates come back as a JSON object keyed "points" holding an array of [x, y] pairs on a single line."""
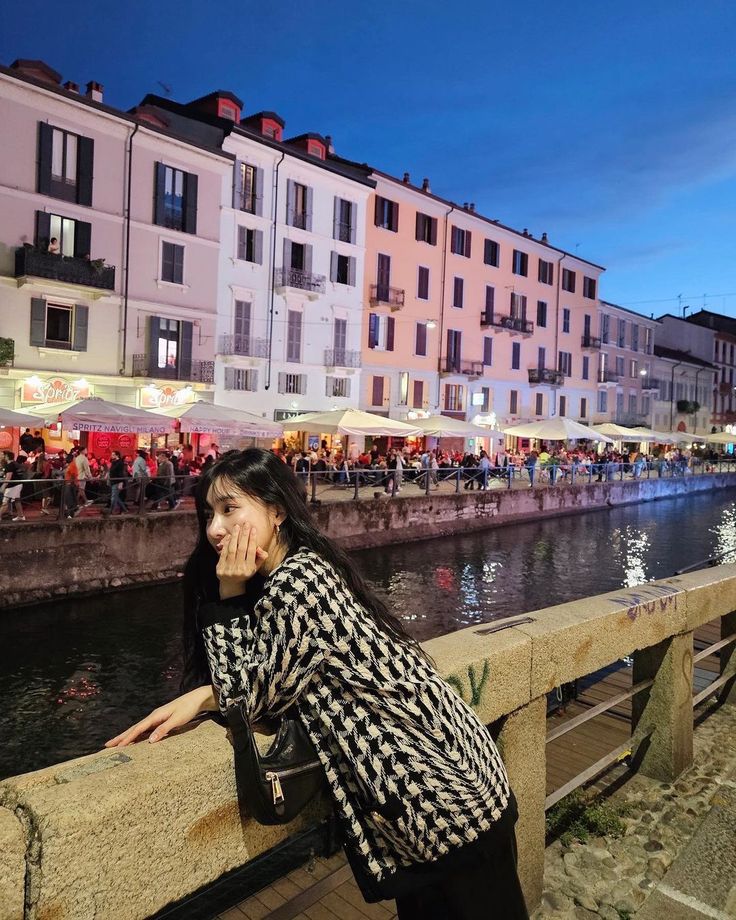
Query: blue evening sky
{"points": [[611, 126]]}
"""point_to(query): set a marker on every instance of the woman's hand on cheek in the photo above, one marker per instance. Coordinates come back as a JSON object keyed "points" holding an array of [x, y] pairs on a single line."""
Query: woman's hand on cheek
{"points": [[239, 560]]}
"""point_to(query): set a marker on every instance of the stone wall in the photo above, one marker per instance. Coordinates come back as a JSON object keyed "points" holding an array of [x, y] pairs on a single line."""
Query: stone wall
{"points": [[47, 559], [149, 824]]}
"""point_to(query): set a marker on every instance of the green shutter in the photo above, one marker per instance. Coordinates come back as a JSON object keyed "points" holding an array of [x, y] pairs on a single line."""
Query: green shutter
{"points": [[38, 321], [81, 318]]}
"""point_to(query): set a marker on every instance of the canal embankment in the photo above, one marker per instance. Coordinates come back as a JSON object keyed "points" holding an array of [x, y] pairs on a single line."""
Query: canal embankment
{"points": [[45, 560]]}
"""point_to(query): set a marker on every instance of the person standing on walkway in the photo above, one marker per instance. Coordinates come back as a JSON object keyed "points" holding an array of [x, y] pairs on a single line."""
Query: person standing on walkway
{"points": [[140, 477], [84, 474], [166, 480], [118, 478], [13, 486], [278, 619], [70, 496]]}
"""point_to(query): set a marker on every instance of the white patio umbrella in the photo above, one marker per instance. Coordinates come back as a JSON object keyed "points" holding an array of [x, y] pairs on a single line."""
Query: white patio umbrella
{"points": [[720, 437], [206, 418], [9, 418], [622, 433], [443, 426], [351, 421], [663, 437], [95, 414], [557, 429]]}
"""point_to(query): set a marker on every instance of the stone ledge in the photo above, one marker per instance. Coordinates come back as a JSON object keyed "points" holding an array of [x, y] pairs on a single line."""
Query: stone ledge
{"points": [[12, 866]]}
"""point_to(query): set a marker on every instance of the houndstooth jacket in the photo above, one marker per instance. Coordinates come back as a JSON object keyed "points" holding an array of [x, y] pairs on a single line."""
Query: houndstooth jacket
{"points": [[412, 771]]}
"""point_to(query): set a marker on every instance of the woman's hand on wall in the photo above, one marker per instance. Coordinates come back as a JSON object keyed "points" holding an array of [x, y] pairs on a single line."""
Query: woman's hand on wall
{"points": [[168, 717], [240, 559]]}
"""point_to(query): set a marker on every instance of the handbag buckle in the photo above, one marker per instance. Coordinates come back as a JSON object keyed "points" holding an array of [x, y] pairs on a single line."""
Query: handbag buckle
{"points": [[277, 792]]}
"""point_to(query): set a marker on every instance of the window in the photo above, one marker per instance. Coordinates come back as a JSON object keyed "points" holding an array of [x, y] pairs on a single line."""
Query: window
{"points": [[403, 388], [491, 253], [237, 378], [64, 230], [490, 300], [64, 164], [248, 188], [418, 396], [172, 263], [420, 341], [58, 326], [621, 337], [520, 263], [250, 245], [453, 360], [293, 384], [605, 328], [632, 404], [633, 369], [241, 327], [583, 407], [293, 335], [568, 280], [457, 293], [298, 252], [165, 334], [541, 358], [485, 406], [381, 331], [387, 214], [487, 351], [422, 283], [298, 205], [634, 337], [338, 386], [564, 363], [645, 406], [546, 271], [454, 397], [518, 305], [586, 368], [426, 229], [342, 269], [589, 287], [460, 242], [344, 221], [513, 402], [340, 341], [73, 236], [563, 406], [603, 400], [175, 201], [515, 356], [316, 150], [541, 313], [565, 319], [377, 392], [619, 367], [539, 404]]}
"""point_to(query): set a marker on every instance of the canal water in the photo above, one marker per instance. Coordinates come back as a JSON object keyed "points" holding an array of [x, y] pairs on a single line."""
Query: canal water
{"points": [[74, 673]]}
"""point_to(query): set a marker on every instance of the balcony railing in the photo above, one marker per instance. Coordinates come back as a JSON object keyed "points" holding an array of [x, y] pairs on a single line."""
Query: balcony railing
{"points": [[194, 371], [246, 345], [299, 219], [7, 352], [510, 323], [608, 377], [383, 293], [653, 384], [456, 366], [539, 375], [341, 357], [344, 232], [298, 278], [35, 263], [247, 201], [590, 341]]}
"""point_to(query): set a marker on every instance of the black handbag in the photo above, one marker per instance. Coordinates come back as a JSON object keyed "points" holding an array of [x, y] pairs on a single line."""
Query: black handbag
{"points": [[274, 787]]}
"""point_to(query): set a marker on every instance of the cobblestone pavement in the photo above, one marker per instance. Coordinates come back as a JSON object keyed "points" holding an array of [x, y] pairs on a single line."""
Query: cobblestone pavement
{"points": [[611, 878]]}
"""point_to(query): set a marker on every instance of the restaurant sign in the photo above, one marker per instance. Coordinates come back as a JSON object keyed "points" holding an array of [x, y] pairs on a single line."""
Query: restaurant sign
{"points": [[165, 397], [53, 390], [283, 415]]}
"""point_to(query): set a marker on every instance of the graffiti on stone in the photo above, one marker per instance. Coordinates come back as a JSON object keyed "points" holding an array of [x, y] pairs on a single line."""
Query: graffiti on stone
{"points": [[477, 684], [642, 602]]}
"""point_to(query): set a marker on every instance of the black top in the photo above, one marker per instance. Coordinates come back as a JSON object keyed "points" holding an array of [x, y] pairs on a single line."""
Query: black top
{"points": [[16, 471]]}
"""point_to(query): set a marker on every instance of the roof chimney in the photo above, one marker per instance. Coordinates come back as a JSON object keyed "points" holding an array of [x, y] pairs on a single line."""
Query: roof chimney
{"points": [[526, 232], [471, 207], [94, 91], [71, 87], [544, 237], [330, 145], [425, 185], [406, 180]]}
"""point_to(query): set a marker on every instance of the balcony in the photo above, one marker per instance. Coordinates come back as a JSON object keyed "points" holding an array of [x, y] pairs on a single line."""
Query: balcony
{"points": [[247, 201], [543, 375], [590, 341], [192, 371], [472, 369], [34, 263], [344, 232], [608, 377], [648, 385], [301, 280], [7, 352], [244, 345], [340, 357], [383, 294], [509, 323]]}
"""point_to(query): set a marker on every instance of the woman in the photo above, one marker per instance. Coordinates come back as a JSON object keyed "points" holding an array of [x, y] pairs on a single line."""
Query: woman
{"points": [[278, 618]]}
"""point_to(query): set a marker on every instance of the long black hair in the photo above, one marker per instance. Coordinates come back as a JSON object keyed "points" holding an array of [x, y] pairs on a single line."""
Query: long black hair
{"points": [[264, 477]]}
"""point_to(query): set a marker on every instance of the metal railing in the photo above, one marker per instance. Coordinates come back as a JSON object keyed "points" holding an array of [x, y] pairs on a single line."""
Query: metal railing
{"points": [[299, 219], [246, 345], [539, 375], [384, 293], [590, 341], [608, 377], [344, 232], [298, 278], [341, 357], [510, 323], [247, 201], [195, 371], [457, 366], [55, 267]]}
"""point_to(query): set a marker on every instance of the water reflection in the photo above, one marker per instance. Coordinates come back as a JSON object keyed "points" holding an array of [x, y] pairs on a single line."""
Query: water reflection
{"points": [[725, 533], [631, 545]]}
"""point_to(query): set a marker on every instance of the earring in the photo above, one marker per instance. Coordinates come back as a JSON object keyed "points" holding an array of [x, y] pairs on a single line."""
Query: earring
{"points": [[277, 530]]}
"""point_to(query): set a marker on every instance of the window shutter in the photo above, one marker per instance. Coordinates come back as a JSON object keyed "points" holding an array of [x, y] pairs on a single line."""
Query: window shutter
{"points": [[238, 185], [287, 254], [242, 240], [433, 231], [353, 221], [38, 321], [259, 192], [333, 266], [329, 386], [159, 184], [372, 330], [302, 384], [43, 229], [352, 265], [346, 388], [85, 161], [390, 332], [394, 220], [418, 226], [421, 339], [229, 378], [290, 202], [82, 239], [252, 382], [377, 395], [154, 330], [308, 259], [258, 246], [186, 330], [282, 382], [468, 236], [81, 319], [490, 298], [45, 144], [336, 219], [190, 203], [309, 204], [376, 210]]}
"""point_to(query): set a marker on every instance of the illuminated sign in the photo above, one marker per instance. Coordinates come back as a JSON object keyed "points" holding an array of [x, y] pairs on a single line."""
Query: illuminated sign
{"points": [[165, 397], [53, 390]]}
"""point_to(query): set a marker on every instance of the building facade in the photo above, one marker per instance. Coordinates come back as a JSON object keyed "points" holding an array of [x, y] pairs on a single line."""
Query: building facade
{"points": [[684, 375], [723, 397]]}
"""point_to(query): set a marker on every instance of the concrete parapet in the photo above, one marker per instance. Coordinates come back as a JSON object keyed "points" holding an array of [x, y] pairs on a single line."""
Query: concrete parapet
{"points": [[12, 866]]}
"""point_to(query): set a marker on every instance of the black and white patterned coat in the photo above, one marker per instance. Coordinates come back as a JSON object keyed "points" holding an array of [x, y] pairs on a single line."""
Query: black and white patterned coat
{"points": [[412, 771]]}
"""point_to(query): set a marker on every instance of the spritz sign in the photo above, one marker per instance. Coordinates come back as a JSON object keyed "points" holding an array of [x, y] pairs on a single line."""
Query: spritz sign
{"points": [[53, 390], [165, 397]]}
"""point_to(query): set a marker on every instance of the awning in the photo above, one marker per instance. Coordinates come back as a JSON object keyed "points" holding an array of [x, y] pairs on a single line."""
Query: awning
{"points": [[206, 418], [351, 421], [557, 429]]}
